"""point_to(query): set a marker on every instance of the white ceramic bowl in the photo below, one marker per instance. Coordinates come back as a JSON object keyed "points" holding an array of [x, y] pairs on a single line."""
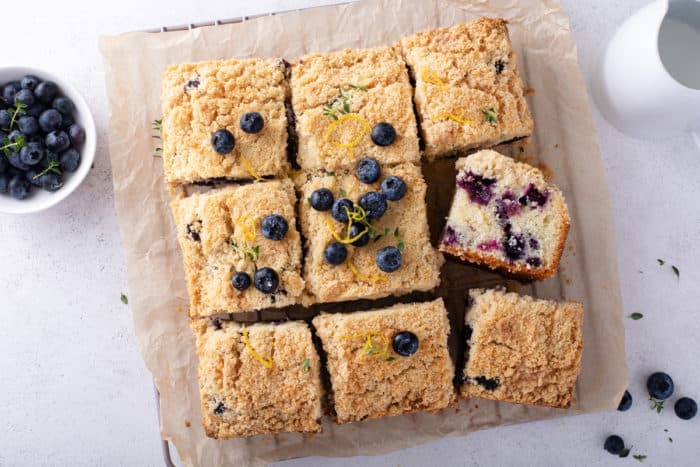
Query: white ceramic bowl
{"points": [[38, 199]]}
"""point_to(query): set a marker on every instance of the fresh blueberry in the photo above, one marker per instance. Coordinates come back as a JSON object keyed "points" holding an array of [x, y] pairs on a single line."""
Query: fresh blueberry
{"points": [[63, 105], [383, 134], [19, 187], [76, 133], [660, 386], [70, 160], [373, 203], [266, 280], [357, 229], [514, 246], [31, 154], [388, 259], [240, 280], [16, 135], [222, 141], [9, 91], [15, 161], [477, 186], [274, 227], [220, 409], [35, 110], [25, 96], [322, 199], [50, 120], [626, 402], [685, 408], [29, 82], [500, 66], [32, 178], [3, 163], [46, 91], [57, 141], [394, 188], [68, 120], [252, 122], [335, 253], [614, 445], [340, 209], [4, 182], [405, 343], [5, 119], [28, 125], [50, 181], [368, 170], [48, 157]]}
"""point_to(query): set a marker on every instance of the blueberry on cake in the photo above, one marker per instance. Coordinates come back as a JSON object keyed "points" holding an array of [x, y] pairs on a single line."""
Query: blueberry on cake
{"points": [[506, 216], [257, 379], [224, 119], [389, 361], [468, 91], [240, 247], [352, 104], [366, 234], [521, 349]]}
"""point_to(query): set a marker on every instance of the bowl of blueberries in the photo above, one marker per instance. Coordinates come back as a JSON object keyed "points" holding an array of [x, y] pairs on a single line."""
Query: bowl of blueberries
{"points": [[47, 140]]}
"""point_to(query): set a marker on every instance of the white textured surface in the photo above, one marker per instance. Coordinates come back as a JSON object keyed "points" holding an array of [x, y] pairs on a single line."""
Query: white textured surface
{"points": [[73, 387]]}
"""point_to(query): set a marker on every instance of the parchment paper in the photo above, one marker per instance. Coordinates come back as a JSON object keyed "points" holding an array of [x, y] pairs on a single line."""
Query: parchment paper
{"points": [[565, 140]]}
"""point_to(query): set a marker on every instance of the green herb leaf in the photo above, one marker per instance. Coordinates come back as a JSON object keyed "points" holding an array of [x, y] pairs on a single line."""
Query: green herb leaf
{"points": [[640, 457], [370, 231], [396, 232], [358, 87], [670, 440], [390, 358], [124, 299], [305, 365], [387, 230], [635, 316], [490, 115], [53, 167], [625, 452], [376, 239], [256, 252], [342, 192], [656, 405], [676, 271], [328, 172], [661, 262], [308, 199], [400, 245]]}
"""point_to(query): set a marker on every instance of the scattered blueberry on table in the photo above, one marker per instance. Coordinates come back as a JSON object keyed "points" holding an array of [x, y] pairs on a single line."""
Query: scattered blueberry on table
{"points": [[660, 386], [686, 408], [39, 139], [625, 402], [614, 445]]}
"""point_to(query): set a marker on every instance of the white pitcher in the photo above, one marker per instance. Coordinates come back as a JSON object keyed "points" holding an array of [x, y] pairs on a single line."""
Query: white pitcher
{"points": [[649, 81]]}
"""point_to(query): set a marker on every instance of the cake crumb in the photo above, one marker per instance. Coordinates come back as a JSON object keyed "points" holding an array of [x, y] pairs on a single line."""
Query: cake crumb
{"points": [[187, 423]]}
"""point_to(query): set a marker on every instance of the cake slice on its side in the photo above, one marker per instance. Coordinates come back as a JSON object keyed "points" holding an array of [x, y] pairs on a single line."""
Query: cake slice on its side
{"points": [[257, 379], [505, 215], [521, 349], [388, 362]]}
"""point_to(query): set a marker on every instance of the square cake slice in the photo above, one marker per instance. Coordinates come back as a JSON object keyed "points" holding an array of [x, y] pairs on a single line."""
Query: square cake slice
{"points": [[361, 244], [468, 92], [224, 119], [257, 379], [341, 98], [388, 362], [521, 349], [240, 247], [506, 216]]}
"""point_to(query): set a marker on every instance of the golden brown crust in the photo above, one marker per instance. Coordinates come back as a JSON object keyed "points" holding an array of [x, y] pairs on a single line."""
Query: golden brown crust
{"points": [[242, 397], [207, 226], [421, 264], [463, 71], [385, 383], [377, 89], [522, 349], [200, 98]]}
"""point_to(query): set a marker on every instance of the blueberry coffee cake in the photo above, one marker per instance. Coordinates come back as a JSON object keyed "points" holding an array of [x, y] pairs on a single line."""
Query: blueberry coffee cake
{"points": [[259, 378], [521, 349], [240, 247], [352, 104], [468, 92], [224, 119], [506, 216], [366, 234], [388, 362]]}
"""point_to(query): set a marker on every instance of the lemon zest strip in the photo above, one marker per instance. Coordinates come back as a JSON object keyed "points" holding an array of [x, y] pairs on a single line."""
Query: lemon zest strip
{"points": [[248, 168], [266, 362], [456, 118], [351, 144], [429, 76], [362, 277], [249, 229], [369, 345]]}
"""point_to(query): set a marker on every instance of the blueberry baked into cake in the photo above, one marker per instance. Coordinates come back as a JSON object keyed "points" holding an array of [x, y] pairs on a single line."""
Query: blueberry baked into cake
{"points": [[506, 216], [520, 349], [389, 361], [259, 378]]}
